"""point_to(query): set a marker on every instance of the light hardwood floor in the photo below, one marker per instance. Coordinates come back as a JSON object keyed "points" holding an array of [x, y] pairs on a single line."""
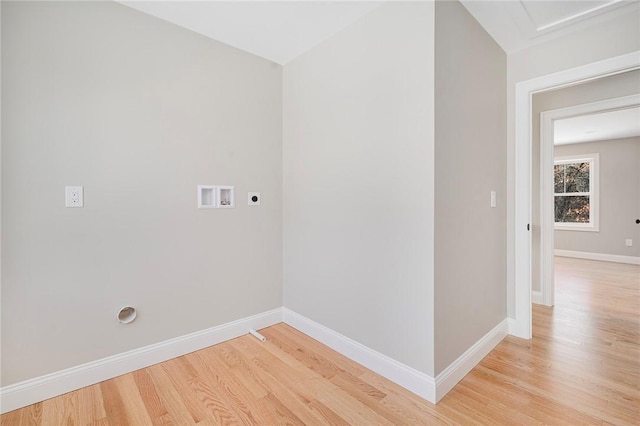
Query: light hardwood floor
{"points": [[581, 367]]}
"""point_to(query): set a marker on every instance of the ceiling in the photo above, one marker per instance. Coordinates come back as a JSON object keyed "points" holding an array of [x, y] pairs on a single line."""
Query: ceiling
{"points": [[623, 123], [518, 24], [282, 30], [276, 30]]}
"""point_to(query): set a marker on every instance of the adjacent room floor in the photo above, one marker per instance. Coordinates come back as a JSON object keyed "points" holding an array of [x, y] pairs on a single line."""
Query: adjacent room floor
{"points": [[581, 367]]}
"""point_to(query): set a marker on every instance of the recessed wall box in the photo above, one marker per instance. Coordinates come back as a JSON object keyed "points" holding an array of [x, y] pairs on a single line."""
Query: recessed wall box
{"points": [[207, 197], [225, 197]]}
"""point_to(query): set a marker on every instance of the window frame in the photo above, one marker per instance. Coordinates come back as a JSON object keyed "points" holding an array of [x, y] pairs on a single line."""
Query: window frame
{"points": [[594, 192]]}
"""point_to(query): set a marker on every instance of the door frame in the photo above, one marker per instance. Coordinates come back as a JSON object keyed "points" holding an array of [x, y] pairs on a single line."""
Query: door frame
{"points": [[521, 325]]}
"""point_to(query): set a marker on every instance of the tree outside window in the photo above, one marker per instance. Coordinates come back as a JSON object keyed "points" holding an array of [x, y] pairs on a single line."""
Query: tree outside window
{"points": [[574, 190]]}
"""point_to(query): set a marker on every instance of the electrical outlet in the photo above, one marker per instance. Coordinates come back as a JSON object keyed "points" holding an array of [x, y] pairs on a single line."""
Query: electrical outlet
{"points": [[73, 196], [254, 198], [628, 242]]}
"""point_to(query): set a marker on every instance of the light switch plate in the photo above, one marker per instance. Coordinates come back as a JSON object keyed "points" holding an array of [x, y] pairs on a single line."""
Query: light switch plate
{"points": [[73, 196]]}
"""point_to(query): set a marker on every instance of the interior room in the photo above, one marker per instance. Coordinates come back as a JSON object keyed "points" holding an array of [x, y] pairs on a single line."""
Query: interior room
{"points": [[312, 212], [589, 120]]}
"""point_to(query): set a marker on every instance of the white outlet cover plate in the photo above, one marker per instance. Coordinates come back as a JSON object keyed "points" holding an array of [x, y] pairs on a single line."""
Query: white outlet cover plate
{"points": [[73, 196], [250, 198]]}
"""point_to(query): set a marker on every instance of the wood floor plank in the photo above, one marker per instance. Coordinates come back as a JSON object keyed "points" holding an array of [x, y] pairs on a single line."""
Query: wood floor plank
{"points": [[212, 402], [306, 384], [352, 410], [581, 367], [132, 401], [179, 373], [308, 357], [15, 418], [368, 395], [113, 405], [169, 396], [91, 405], [411, 407], [315, 386], [154, 406], [31, 415], [234, 395], [237, 373], [304, 408], [55, 410], [278, 413], [312, 345], [100, 422]]}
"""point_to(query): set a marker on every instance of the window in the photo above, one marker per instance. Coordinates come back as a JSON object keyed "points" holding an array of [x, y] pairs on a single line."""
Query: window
{"points": [[575, 182]]}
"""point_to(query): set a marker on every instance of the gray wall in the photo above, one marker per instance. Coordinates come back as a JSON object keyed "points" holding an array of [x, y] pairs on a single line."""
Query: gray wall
{"points": [[610, 38], [614, 86], [139, 112], [619, 167], [358, 183], [470, 149]]}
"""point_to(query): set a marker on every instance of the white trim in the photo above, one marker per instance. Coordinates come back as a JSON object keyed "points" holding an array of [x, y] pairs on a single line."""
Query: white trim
{"points": [[536, 297], [604, 257], [580, 227], [593, 194], [522, 212], [522, 243], [409, 378], [34, 390], [450, 376], [547, 207], [575, 17]]}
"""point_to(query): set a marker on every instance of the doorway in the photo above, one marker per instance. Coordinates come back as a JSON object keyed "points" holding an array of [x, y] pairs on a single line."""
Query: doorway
{"points": [[571, 140], [522, 323]]}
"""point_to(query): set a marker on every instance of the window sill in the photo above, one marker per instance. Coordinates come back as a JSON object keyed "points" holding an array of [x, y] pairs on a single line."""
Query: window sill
{"points": [[587, 228]]}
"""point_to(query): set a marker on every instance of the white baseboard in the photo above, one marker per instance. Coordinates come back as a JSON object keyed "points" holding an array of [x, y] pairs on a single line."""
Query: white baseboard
{"points": [[409, 378], [54, 384], [536, 297], [417, 382], [451, 375], [35, 390], [633, 260]]}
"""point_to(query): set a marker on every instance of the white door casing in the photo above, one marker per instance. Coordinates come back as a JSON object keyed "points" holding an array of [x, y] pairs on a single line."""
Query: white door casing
{"points": [[524, 91]]}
